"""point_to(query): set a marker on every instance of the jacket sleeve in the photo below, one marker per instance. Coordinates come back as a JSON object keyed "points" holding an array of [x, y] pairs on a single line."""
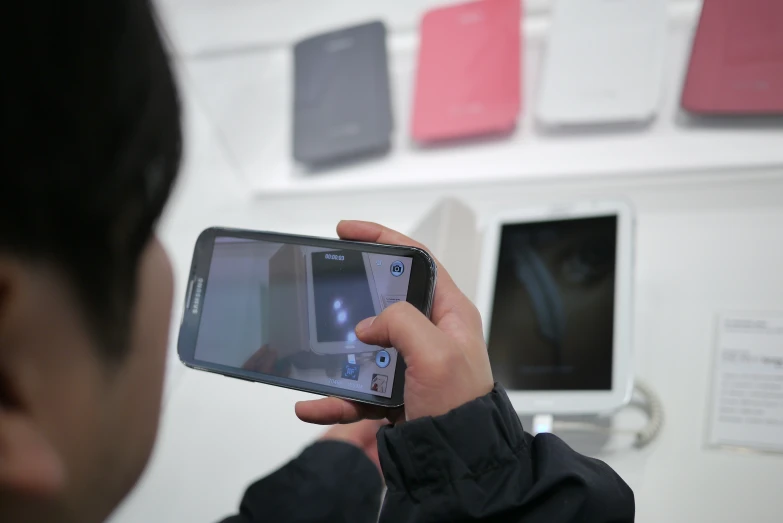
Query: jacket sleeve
{"points": [[476, 463], [330, 482]]}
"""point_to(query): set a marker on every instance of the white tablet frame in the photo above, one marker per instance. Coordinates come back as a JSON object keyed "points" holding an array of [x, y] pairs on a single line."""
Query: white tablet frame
{"points": [[572, 402], [337, 347]]}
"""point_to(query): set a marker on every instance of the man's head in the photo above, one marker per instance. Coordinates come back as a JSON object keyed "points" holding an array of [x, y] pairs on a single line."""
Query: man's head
{"points": [[90, 148]]}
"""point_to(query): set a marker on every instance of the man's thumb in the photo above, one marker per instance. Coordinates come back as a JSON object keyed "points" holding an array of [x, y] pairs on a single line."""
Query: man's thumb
{"points": [[401, 326]]}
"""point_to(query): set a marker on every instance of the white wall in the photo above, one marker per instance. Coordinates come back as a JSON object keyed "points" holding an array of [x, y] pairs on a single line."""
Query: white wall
{"points": [[203, 27]]}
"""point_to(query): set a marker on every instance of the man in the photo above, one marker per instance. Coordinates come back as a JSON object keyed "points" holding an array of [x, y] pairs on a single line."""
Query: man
{"points": [[91, 147]]}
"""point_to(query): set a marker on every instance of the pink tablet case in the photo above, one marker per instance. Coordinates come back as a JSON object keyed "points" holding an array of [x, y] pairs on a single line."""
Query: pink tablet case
{"points": [[468, 79], [736, 64]]}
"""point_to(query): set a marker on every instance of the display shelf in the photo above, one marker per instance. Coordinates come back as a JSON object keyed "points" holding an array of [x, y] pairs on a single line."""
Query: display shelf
{"points": [[247, 96]]}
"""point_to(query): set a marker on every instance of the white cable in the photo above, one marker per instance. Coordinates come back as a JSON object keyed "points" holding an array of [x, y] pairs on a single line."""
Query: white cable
{"points": [[653, 406], [648, 402]]}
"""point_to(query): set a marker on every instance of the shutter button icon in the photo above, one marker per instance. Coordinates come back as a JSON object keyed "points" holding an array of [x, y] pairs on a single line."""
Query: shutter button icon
{"points": [[397, 268], [382, 359]]}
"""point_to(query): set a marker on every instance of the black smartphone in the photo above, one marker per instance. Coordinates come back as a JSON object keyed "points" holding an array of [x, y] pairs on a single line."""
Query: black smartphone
{"points": [[282, 309]]}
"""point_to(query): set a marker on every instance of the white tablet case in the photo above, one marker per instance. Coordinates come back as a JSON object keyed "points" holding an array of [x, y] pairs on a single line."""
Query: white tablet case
{"points": [[604, 63]]}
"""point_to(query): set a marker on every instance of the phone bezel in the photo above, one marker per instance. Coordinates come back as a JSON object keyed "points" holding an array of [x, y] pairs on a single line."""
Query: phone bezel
{"points": [[420, 294]]}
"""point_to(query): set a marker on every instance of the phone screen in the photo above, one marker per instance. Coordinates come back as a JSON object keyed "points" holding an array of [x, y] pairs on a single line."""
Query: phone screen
{"points": [[552, 324], [342, 294], [288, 310]]}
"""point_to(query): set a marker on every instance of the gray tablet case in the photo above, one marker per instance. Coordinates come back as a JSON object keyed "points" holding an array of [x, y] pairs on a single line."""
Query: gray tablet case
{"points": [[342, 106]]}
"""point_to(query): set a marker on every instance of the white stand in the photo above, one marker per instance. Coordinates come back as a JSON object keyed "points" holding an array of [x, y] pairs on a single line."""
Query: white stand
{"points": [[450, 232], [542, 424], [588, 442]]}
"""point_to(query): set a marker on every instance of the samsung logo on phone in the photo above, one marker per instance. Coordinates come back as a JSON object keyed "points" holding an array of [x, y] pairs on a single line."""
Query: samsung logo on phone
{"points": [[338, 257], [199, 288]]}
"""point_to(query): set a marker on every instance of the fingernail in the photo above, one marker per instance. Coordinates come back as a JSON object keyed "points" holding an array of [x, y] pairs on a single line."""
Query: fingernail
{"points": [[365, 324]]}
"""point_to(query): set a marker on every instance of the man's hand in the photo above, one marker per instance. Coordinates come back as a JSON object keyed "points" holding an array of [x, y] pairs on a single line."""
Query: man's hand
{"points": [[362, 434], [447, 361]]}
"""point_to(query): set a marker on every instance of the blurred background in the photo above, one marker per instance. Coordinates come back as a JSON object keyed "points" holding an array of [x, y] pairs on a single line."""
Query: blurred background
{"points": [[703, 170]]}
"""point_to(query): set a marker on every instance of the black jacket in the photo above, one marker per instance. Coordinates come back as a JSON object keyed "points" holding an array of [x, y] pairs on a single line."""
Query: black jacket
{"points": [[473, 464]]}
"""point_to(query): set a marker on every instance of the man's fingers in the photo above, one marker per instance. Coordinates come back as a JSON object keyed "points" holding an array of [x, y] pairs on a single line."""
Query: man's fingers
{"points": [[375, 233], [403, 327], [328, 411], [362, 433], [448, 297]]}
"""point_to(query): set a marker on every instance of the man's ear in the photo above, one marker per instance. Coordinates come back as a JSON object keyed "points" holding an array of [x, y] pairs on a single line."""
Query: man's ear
{"points": [[29, 464]]}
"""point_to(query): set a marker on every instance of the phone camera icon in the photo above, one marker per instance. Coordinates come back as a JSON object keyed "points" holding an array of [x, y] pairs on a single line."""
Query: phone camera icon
{"points": [[397, 268], [382, 359]]}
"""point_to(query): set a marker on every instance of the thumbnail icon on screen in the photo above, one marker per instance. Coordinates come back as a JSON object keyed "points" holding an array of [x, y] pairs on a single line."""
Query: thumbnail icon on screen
{"points": [[378, 383]]}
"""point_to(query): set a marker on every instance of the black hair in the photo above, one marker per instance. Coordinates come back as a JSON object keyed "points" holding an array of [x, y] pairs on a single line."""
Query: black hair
{"points": [[91, 145]]}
